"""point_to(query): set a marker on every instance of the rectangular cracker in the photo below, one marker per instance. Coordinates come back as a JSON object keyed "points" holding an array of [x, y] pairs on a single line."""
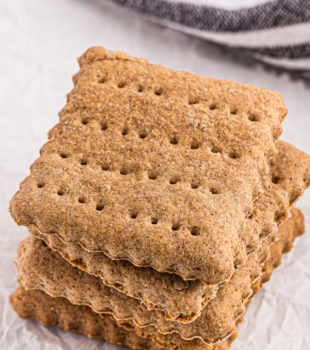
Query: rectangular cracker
{"points": [[154, 166], [35, 304], [181, 300], [293, 228], [41, 268]]}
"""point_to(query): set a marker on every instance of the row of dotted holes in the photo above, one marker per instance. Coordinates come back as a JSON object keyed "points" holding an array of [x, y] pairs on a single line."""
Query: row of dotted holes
{"points": [[173, 140], [277, 179], [159, 91], [174, 180], [121, 85], [154, 221], [175, 227], [133, 215], [82, 200]]}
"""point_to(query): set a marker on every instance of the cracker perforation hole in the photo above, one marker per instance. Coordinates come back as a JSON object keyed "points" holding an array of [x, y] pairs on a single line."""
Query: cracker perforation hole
{"points": [[195, 144], [193, 101], [254, 117], [40, 185], [121, 85], [233, 155], [125, 131], [63, 155], [152, 176], [102, 80], [213, 106], [123, 171], [234, 111], [133, 215], [105, 167], [100, 206], [82, 200], [60, 192], [154, 221], [174, 140], [195, 231], [142, 135], [279, 216], [104, 126], [214, 190], [174, 180], [84, 121], [140, 88], [306, 181], [195, 185], [216, 149], [276, 179], [176, 227], [158, 92], [83, 162]]}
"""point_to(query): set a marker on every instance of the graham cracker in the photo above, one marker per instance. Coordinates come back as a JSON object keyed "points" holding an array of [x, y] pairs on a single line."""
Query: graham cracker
{"points": [[41, 268], [154, 166], [181, 300], [289, 230], [36, 304]]}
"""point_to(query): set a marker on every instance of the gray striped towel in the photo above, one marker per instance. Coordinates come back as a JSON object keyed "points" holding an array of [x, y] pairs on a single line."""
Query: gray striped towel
{"points": [[276, 32]]}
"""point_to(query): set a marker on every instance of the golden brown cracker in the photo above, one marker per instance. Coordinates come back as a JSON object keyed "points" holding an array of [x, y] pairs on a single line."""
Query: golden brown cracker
{"points": [[35, 304], [41, 268], [182, 300], [157, 167]]}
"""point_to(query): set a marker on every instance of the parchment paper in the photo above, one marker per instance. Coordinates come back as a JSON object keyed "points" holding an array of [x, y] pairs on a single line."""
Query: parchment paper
{"points": [[40, 41]]}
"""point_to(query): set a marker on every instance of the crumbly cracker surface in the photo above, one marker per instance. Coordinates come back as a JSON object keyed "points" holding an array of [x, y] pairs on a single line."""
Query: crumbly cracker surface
{"points": [[182, 300], [153, 166], [41, 268], [35, 304]]}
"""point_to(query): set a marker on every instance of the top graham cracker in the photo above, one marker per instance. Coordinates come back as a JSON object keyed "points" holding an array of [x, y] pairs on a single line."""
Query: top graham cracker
{"points": [[154, 166]]}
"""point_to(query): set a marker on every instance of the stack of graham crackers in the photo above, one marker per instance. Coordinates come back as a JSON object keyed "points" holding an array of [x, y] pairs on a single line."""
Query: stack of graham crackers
{"points": [[159, 205]]}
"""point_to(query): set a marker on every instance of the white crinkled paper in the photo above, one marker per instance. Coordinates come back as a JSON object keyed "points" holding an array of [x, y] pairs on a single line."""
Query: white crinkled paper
{"points": [[40, 41]]}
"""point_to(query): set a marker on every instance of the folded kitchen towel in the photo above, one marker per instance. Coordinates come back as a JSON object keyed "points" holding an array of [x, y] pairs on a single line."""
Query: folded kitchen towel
{"points": [[276, 32]]}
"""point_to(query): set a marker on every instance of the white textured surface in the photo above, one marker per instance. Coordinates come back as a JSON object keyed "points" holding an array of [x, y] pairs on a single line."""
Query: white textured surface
{"points": [[40, 41]]}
